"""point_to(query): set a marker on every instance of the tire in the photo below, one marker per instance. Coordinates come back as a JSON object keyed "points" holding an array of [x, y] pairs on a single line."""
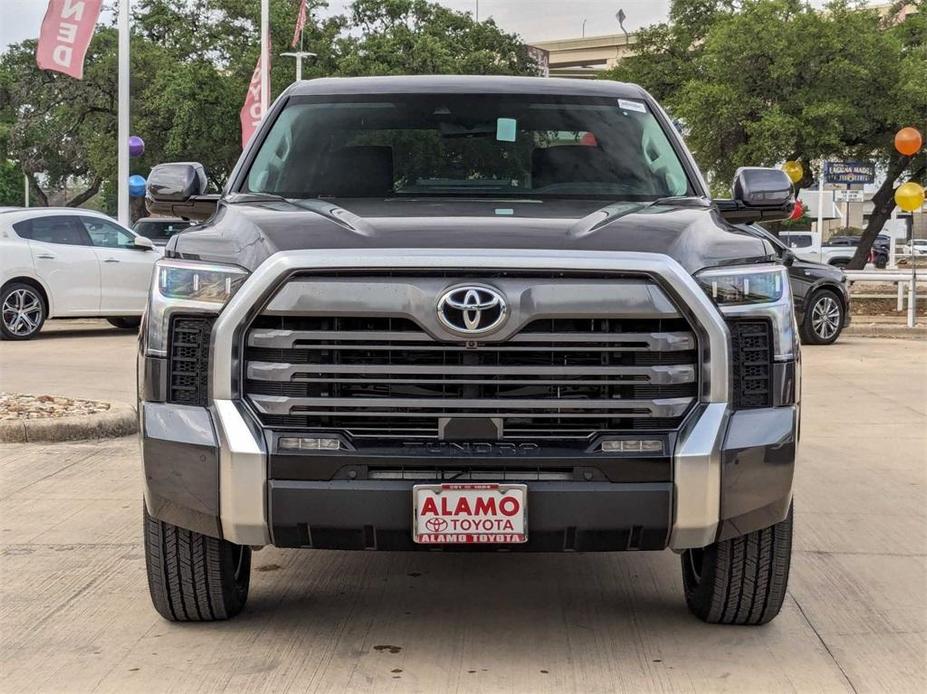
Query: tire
{"points": [[127, 323], [823, 320], [194, 577], [22, 311], [740, 581]]}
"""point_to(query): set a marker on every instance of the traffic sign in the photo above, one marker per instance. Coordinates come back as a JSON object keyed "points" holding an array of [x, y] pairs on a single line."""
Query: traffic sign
{"points": [[849, 196]]}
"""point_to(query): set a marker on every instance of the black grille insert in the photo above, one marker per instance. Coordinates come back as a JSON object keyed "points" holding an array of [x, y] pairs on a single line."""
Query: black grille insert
{"points": [[188, 365], [752, 363]]}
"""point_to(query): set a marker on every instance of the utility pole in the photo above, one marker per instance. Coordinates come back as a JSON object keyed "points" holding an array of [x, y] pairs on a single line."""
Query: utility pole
{"points": [[300, 55], [26, 189], [122, 135]]}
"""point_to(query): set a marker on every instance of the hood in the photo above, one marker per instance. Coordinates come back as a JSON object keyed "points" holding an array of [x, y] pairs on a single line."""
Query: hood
{"points": [[246, 230]]}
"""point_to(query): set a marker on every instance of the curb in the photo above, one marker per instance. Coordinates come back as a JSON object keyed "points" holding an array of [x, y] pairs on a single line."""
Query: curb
{"points": [[118, 420], [898, 332]]}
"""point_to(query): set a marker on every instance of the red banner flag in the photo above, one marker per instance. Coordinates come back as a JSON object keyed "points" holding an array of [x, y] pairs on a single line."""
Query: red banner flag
{"points": [[252, 112], [66, 32], [300, 23]]}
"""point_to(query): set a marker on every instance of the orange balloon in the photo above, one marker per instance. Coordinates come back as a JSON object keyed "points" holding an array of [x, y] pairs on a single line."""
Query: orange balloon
{"points": [[908, 141]]}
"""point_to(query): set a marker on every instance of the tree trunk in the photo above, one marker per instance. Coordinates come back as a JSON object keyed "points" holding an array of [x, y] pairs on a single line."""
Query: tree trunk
{"points": [[883, 202], [137, 210], [92, 190], [37, 193]]}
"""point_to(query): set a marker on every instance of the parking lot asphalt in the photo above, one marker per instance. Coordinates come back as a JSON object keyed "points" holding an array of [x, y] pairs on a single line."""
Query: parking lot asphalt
{"points": [[75, 614]]}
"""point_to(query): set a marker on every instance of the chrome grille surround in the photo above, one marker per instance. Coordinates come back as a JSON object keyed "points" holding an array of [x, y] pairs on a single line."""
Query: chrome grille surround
{"points": [[243, 472]]}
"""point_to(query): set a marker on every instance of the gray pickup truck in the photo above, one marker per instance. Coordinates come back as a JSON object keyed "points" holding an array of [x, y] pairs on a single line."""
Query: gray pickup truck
{"points": [[469, 313]]}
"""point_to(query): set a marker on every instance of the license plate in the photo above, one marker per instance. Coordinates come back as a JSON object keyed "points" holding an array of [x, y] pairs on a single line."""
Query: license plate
{"points": [[469, 513]]}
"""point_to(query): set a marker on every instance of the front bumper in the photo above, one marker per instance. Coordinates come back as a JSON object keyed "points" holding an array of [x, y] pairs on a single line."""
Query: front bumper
{"points": [[208, 468], [754, 451]]}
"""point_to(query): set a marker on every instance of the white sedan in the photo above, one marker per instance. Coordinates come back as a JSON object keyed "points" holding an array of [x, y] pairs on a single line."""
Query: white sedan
{"points": [[920, 247], [69, 263]]}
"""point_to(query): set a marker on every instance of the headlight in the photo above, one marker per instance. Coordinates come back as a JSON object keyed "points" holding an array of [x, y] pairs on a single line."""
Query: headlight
{"points": [[187, 287], [756, 291], [738, 286], [178, 279]]}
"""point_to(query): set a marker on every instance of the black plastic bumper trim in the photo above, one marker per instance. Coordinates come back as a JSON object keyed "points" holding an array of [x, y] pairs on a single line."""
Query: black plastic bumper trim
{"points": [[757, 467], [180, 457], [562, 516]]}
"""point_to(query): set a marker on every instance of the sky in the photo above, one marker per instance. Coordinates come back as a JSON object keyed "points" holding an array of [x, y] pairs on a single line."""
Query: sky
{"points": [[535, 20]]}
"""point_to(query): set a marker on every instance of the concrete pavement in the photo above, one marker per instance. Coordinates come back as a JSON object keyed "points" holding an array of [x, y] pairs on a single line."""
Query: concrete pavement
{"points": [[75, 615], [83, 358]]}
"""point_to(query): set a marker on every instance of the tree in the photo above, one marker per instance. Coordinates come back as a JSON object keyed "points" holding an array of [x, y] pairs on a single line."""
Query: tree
{"points": [[408, 37], [772, 80], [191, 64]]}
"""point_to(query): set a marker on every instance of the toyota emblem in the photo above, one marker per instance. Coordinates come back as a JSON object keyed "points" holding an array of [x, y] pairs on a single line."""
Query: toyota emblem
{"points": [[436, 525], [472, 310]]}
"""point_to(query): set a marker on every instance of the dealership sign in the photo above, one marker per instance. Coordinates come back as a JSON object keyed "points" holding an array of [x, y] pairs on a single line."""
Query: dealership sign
{"points": [[848, 172]]}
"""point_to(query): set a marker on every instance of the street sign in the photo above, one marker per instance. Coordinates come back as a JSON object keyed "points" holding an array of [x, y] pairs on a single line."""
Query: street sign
{"points": [[849, 196], [845, 172]]}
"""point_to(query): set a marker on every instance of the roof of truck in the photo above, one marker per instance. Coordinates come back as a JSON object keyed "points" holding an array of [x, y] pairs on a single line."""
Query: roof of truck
{"points": [[466, 84]]}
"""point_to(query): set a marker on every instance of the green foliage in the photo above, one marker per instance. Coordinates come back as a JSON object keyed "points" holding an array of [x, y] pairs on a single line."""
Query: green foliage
{"points": [[778, 79], [408, 37], [191, 65], [11, 184]]}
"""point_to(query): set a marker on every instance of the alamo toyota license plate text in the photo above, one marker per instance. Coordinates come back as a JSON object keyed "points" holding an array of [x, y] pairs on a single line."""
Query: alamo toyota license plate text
{"points": [[469, 513]]}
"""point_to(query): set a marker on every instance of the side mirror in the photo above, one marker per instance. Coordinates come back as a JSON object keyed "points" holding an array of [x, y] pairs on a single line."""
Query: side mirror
{"points": [[788, 257], [179, 190], [143, 243], [760, 194]]}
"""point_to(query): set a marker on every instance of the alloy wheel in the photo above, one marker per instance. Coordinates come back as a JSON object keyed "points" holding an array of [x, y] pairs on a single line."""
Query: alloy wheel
{"points": [[825, 317], [22, 312]]}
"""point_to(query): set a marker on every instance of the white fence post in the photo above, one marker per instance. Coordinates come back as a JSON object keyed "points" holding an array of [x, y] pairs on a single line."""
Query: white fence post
{"points": [[900, 306], [912, 300]]}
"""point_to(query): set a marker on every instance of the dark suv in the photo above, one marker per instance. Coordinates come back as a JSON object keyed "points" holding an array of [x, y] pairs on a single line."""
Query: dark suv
{"points": [[822, 298], [448, 313]]}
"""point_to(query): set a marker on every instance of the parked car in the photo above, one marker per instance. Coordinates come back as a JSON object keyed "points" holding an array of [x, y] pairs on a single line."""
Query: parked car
{"points": [[838, 250], [919, 248], [70, 263], [822, 299], [421, 318], [160, 229]]}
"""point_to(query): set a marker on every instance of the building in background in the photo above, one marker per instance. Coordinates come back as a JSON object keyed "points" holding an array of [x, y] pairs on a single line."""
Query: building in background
{"points": [[587, 56]]}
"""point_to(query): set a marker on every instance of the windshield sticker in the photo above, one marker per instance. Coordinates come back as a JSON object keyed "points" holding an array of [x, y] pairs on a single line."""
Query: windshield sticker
{"points": [[632, 106], [506, 129]]}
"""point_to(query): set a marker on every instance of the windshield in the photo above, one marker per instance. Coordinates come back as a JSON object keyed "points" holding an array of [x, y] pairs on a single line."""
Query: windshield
{"points": [[467, 145]]}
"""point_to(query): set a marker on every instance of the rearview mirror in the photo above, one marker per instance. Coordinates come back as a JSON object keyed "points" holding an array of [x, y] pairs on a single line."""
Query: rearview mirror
{"points": [[143, 243], [178, 189], [760, 194]]}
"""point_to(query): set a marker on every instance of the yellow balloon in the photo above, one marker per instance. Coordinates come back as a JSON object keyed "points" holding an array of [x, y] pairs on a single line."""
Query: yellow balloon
{"points": [[794, 170], [910, 196]]}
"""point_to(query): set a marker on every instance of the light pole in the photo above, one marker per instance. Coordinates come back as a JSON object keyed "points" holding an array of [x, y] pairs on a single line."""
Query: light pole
{"points": [[584, 27], [299, 55], [122, 129]]}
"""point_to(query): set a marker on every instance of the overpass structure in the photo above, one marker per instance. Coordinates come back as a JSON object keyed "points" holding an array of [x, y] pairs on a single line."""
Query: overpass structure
{"points": [[586, 56]]}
